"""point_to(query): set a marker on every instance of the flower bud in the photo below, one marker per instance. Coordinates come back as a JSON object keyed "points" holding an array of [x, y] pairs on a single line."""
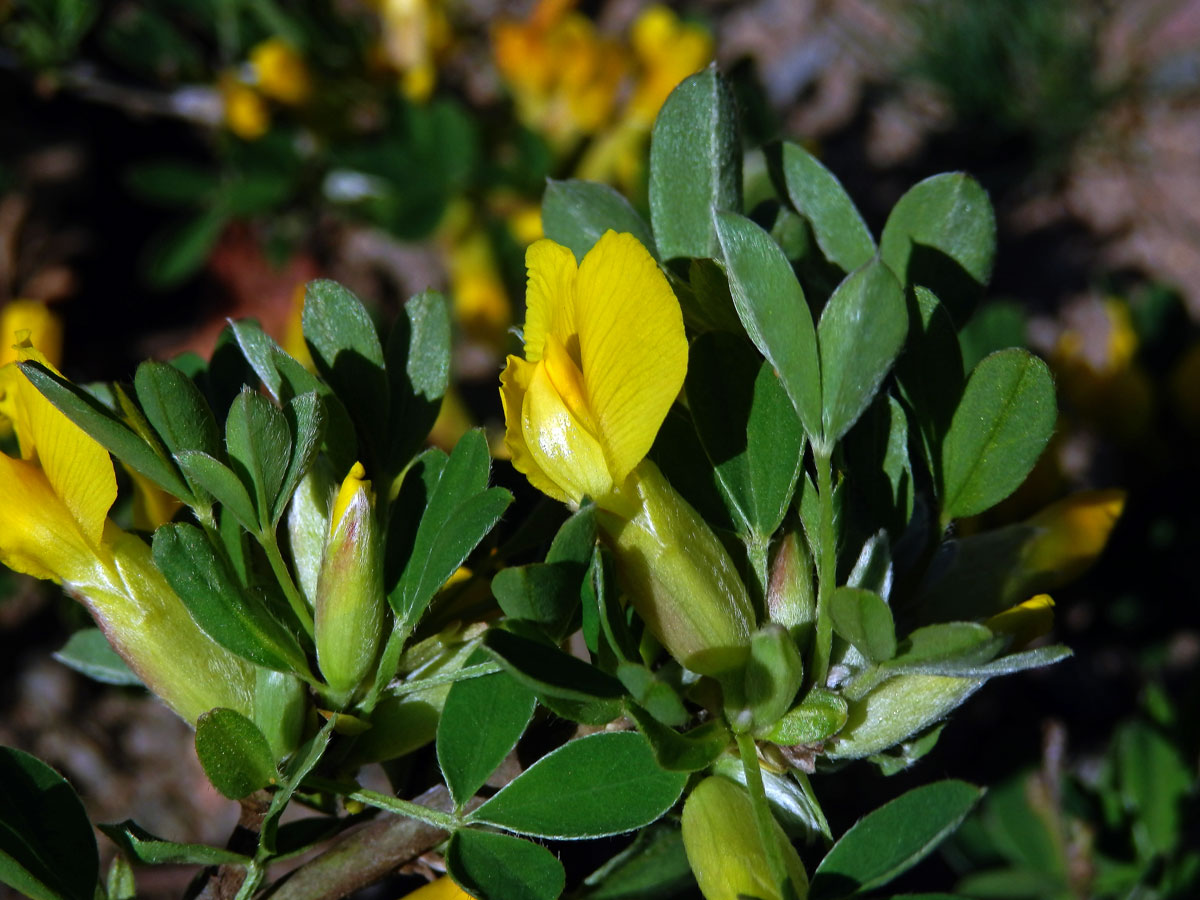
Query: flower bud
{"points": [[790, 598], [678, 575], [896, 709], [308, 526], [724, 849], [350, 601]]}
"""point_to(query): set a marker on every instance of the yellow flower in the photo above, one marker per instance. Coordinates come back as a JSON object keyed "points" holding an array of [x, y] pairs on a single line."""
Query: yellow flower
{"points": [[1025, 621], [54, 503], [246, 112], [1068, 536], [442, 888], [605, 357], [32, 320], [415, 33], [564, 76], [280, 72], [667, 51]]}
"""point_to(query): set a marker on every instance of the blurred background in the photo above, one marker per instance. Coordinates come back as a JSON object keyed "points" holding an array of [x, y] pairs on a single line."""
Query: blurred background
{"points": [[167, 164]]}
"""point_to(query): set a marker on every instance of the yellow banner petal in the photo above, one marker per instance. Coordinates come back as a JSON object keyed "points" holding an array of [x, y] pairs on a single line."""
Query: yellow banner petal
{"points": [[77, 467], [549, 296], [632, 346]]}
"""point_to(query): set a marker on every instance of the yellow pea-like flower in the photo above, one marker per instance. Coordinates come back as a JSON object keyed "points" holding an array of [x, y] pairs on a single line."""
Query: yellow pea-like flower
{"points": [[54, 502], [605, 357], [280, 71]]}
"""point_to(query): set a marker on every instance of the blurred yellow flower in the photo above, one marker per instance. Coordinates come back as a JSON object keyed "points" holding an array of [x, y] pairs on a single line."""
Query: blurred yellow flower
{"points": [[668, 50], [415, 34], [246, 113], [29, 320], [1070, 535], [54, 502], [565, 77], [605, 357], [280, 72], [1025, 621]]}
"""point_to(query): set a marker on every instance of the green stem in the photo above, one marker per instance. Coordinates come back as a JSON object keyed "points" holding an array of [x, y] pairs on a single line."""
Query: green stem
{"points": [[269, 544], [762, 812], [806, 786], [407, 808], [826, 569]]}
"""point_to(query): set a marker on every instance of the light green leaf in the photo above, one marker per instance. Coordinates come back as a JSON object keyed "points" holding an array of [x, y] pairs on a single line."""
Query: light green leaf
{"points": [[864, 619], [234, 754], [139, 844], [87, 651], [577, 213]]}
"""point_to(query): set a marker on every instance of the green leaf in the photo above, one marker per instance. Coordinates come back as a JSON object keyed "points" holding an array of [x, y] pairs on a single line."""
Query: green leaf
{"points": [[218, 480], [270, 363], [259, 444], [176, 254], [864, 619], [820, 715], [577, 213], [860, 333], [675, 752], [47, 849], [771, 305], [305, 421], [961, 642], [139, 844], [347, 353], [460, 512], [176, 408], [654, 866], [695, 165], [603, 784], [544, 593], [172, 183], [87, 651], [1006, 416], [815, 193], [892, 839], [234, 754], [418, 369], [120, 883], [482, 719], [1154, 781], [116, 437], [745, 423], [501, 867], [942, 235], [549, 671], [214, 598]]}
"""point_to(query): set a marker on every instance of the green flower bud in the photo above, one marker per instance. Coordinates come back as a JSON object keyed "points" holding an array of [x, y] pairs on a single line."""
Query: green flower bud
{"points": [[678, 575], [790, 598], [350, 601], [896, 709], [723, 847]]}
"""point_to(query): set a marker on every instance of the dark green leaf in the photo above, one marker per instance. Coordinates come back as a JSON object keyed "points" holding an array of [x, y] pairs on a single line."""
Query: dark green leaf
{"points": [[305, 420], [816, 194], [652, 692], [347, 353], [603, 784], [176, 408], [418, 368], [653, 867], [549, 671], [214, 598], [545, 593], [745, 423], [259, 444], [1154, 780], [942, 235], [501, 867], [105, 427], [576, 214], [174, 183], [47, 849], [771, 305], [860, 333], [695, 166], [892, 839], [236, 757], [482, 719], [1000, 428], [963, 642], [141, 845], [575, 541], [178, 253], [270, 363], [864, 619], [218, 480], [88, 651], [691, 752], [461, 511], [930, 371]]}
